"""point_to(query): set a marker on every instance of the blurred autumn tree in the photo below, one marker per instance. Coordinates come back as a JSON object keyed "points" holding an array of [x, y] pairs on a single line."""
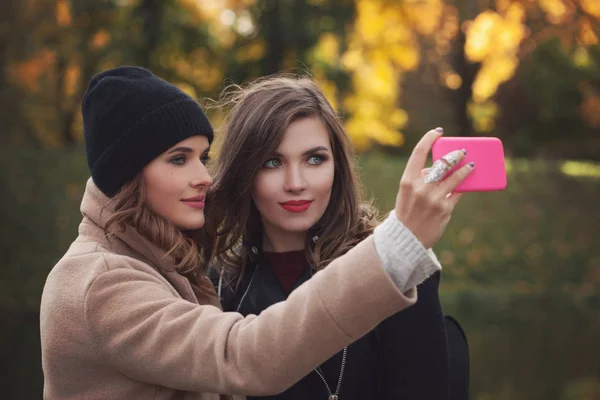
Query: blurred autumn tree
{"points": [[470, 48], [361, 51]]}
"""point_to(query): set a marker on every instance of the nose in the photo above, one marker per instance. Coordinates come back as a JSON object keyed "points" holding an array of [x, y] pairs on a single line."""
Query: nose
{"points": [[294, 179], [201, 178]]}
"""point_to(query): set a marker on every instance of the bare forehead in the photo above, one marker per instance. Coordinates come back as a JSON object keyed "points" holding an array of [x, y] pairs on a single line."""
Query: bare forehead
{"points": [[303, 134]]}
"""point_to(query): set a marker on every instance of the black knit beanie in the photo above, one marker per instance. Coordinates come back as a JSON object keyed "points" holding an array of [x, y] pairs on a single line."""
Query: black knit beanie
{"points": [[130, 117]]}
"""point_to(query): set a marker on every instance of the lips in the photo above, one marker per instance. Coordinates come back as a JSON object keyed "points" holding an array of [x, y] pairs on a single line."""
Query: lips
{"points": [[194, 202], [296, 206]]}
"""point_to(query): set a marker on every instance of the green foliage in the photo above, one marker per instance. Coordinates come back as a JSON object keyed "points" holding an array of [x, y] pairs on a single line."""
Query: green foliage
{"points": [[522, 275], [539, 233], [543, 109], [40, 201]]}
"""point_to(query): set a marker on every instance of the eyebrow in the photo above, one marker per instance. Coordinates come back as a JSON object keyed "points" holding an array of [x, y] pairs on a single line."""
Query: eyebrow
{"points": [[186, 150], [307, 152]]}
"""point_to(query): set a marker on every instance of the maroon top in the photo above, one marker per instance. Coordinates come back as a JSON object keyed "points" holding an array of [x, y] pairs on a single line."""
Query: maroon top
{"points": [[287, 266]]}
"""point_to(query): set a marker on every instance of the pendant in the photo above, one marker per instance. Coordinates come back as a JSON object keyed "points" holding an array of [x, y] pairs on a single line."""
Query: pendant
{"points": [[333, 397]]}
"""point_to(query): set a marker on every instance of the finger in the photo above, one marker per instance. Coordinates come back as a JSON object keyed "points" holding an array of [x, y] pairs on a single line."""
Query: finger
{"points": [[454, 157], [418, 157], [452, 181], [437, 172], [453, 199], [442, 166], [424, 172]]}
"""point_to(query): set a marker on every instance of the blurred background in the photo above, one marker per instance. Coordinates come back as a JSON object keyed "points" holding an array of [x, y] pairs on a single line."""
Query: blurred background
{"points": [[521, 267]]}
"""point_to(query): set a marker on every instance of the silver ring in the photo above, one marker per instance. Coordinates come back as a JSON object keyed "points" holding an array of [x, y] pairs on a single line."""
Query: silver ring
{"points": [[437, 172], [454, 157]]}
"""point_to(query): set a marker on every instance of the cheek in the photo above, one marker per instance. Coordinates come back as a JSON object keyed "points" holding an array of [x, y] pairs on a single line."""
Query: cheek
{"points": [[323, 182], [161, 191], [264, 191]]}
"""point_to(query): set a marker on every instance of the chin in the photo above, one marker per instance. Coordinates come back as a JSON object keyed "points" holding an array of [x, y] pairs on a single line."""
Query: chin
{"points": [[191, 224], [297, 226]]}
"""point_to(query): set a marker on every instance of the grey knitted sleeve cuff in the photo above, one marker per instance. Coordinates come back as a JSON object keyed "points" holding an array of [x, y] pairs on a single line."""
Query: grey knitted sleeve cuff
{"points": [[404, 257]]}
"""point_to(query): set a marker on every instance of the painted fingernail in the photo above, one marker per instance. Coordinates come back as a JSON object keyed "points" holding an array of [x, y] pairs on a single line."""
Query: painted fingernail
{"points": [[464, 151], [439, 129], [472, 164]]}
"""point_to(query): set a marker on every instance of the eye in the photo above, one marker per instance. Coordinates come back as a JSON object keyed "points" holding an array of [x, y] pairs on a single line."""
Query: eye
{"points": [[178, 160], [204, 159], [272, 163], [316, 159]]}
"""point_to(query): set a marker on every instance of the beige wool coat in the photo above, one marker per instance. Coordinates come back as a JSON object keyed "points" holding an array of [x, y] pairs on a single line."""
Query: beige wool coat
{"points": [[118, 322]]}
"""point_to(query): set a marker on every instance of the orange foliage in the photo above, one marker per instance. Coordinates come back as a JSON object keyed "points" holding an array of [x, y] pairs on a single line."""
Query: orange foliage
{"points": [[100, 39], [590, 109], [28, 73], [63, 13], [71, 79]]}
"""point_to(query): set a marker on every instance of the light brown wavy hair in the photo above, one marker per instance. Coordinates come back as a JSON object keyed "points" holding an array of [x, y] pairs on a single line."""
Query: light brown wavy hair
{"points": [[130, 210], [259, 114]]}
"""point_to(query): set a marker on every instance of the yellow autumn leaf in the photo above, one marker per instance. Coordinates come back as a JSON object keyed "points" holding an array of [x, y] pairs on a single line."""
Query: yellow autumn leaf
{"points": [[581, 57], [591, 7], [424, 14], [369, 20], [405, 57], [253, 51], [483, 114], [449, 27], [515, 12], [329, 89], [328, 48], [357, 134], [352, 59], [480, 35], [484, 87], [397, 33], [586, 33], [63, 13], [503, 68], [554, 9], [398, 118], [452, 80], [376, 80], [502, 5], [100, 39], [72, 77], [186, 88], [29, 72]]}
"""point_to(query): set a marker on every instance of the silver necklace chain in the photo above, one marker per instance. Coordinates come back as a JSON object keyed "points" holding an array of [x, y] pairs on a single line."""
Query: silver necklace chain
{"points": [[334, 396]]}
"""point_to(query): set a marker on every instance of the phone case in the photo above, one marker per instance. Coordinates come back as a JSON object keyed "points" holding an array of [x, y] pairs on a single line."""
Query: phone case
{"points": [[488, 155]]}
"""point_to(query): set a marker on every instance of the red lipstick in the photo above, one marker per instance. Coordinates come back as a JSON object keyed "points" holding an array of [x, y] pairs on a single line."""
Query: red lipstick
{"points": [[296, 206], [194, 202]]}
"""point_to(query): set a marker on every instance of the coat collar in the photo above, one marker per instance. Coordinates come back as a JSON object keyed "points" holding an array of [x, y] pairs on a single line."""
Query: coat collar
{"points": [[97, 208], [263, 289]]}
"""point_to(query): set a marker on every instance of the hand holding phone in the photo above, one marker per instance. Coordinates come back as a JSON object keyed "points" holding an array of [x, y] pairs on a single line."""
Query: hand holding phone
{"points": [[488, 155]]}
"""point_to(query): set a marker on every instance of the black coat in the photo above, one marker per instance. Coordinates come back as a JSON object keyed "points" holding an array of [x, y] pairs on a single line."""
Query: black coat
{"points": [[405, 357]]}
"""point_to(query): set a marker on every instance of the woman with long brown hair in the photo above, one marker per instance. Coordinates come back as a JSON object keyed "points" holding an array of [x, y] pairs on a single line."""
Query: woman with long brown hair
{"points": [[127, 312], [287, 199]]}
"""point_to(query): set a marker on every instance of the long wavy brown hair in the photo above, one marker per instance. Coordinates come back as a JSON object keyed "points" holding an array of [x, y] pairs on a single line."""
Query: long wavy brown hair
{"points": [[130, 210], [259, 114]]}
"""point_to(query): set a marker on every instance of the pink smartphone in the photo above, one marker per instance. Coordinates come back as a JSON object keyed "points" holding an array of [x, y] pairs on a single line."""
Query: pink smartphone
{"points": [[488, 155]]}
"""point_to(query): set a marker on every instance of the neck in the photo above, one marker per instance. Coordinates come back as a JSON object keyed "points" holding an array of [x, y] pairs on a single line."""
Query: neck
{"points": [[280, 242]]}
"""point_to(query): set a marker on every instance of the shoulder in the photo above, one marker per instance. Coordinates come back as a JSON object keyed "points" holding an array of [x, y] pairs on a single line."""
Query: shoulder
{"points": [[88, 259]]}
